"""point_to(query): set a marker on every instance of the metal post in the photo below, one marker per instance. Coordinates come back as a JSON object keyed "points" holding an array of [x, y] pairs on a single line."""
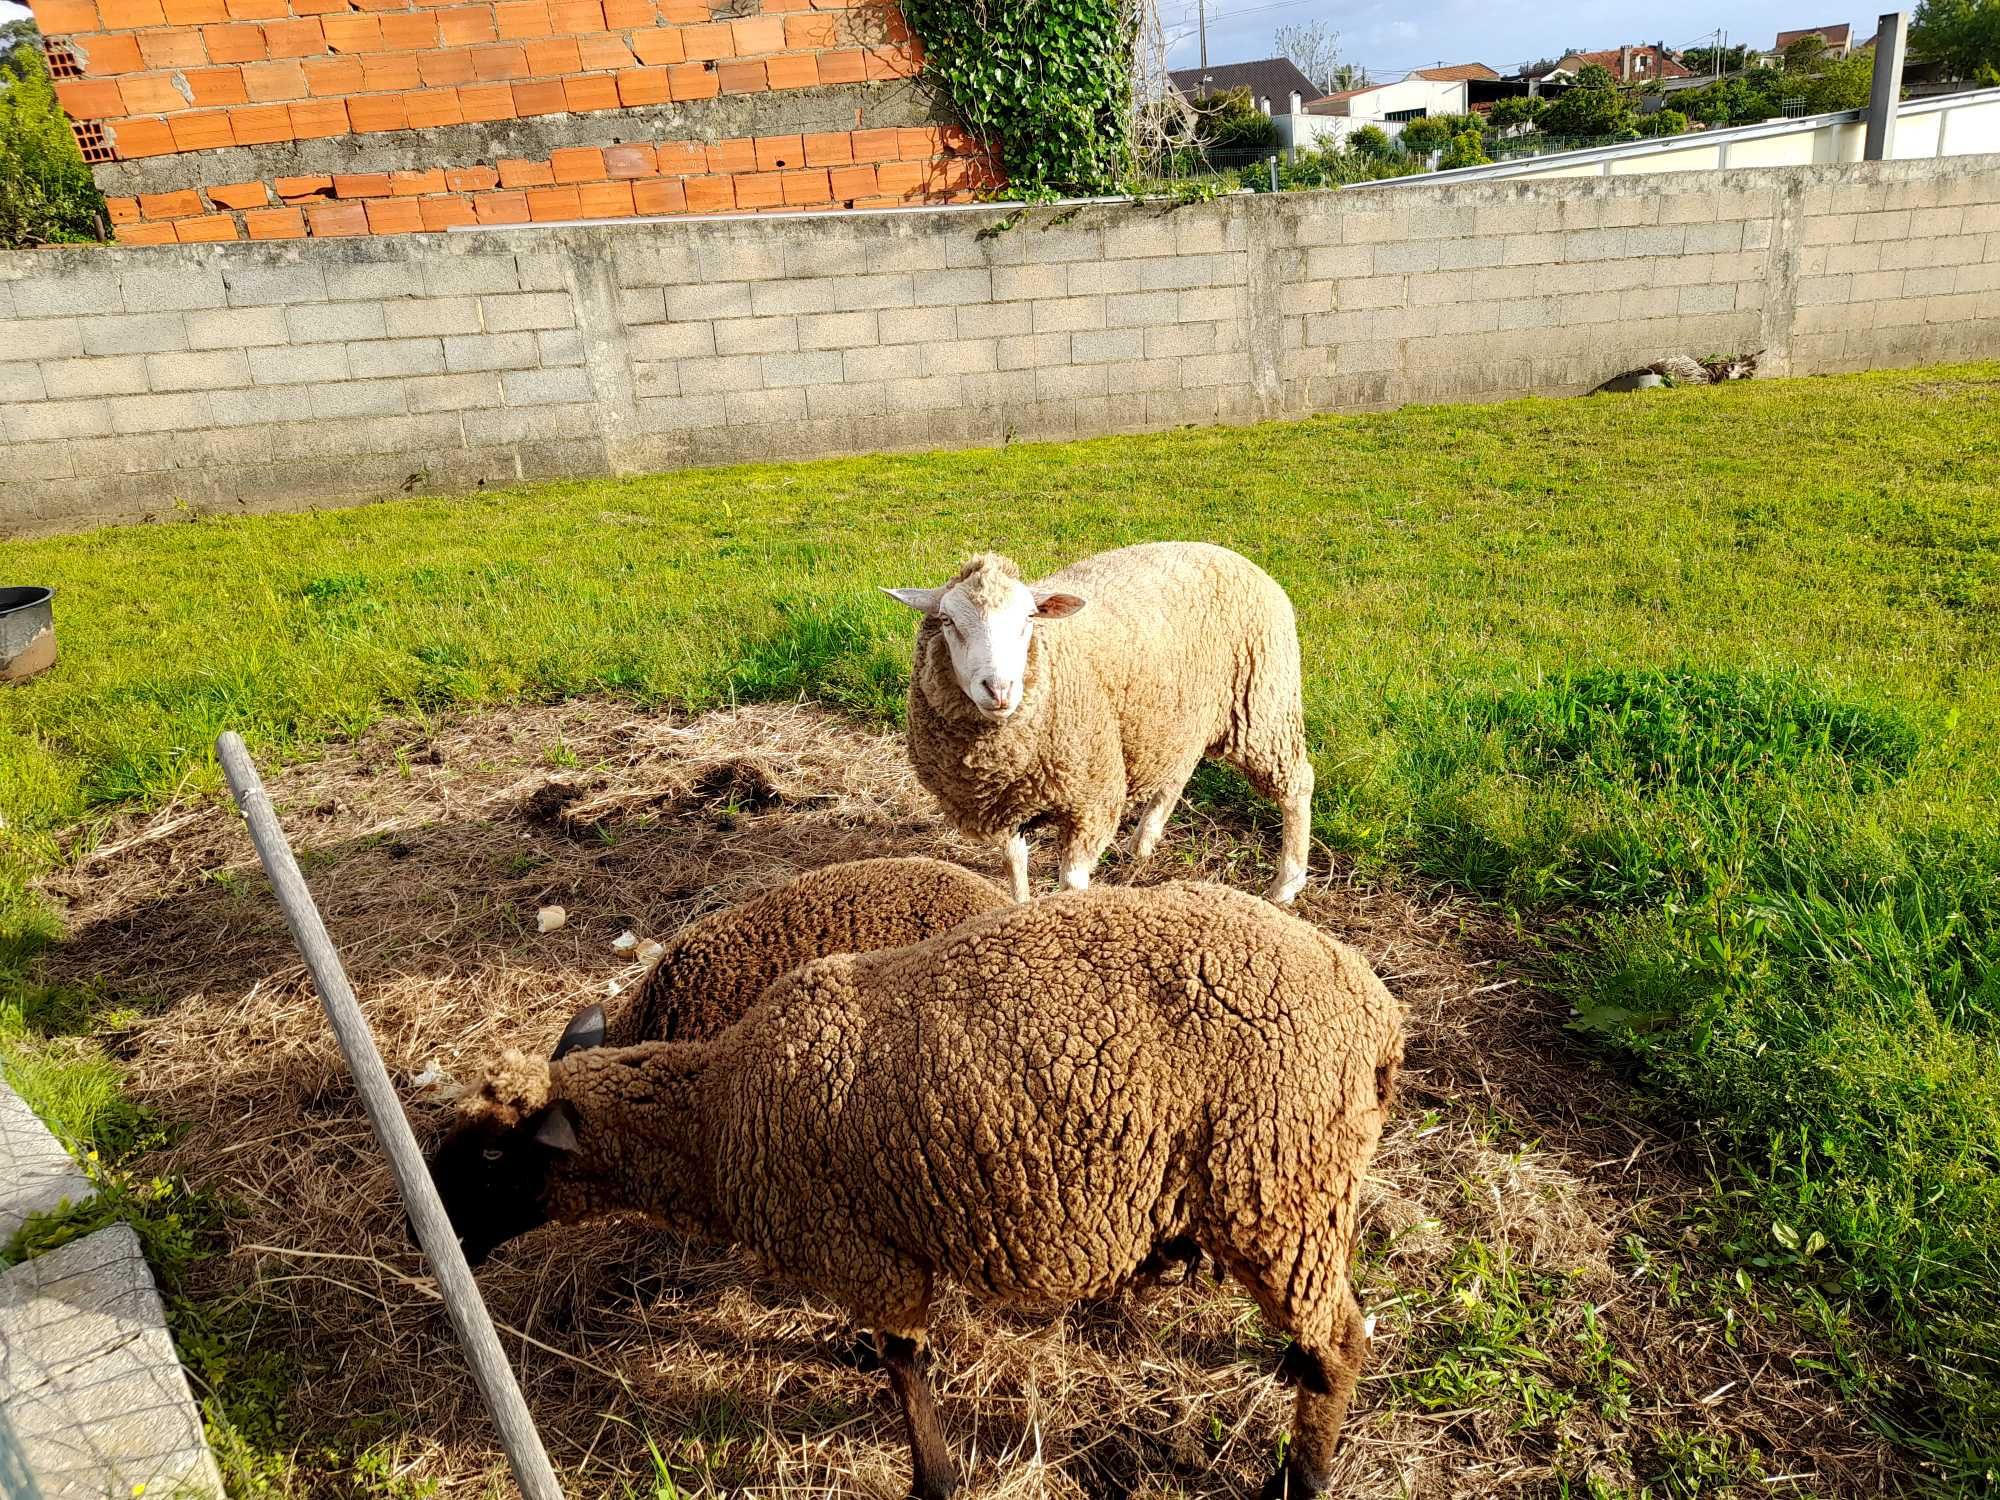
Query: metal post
{"points": [[378, 1096], [1202, 10], [1892, 40], [1274, 174]]}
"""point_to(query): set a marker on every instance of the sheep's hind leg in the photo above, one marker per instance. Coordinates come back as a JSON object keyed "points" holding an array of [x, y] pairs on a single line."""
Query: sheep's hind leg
{"points": [[934, 1476], [1014, 849], [1083, 844], [1325, 1381], [1153, 817]]}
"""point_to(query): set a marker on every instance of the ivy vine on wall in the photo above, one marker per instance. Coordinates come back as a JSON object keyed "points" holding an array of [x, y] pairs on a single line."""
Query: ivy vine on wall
{"points": [[1049, 82]]}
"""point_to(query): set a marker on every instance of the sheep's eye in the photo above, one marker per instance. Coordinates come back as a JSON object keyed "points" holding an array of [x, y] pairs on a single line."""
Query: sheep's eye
{"points": [[492, 1153]]}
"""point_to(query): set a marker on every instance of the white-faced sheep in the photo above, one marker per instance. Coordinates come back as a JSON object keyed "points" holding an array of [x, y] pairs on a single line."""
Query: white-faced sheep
{"points": [[1165, 654], [1030, 1105], [717, 967]]}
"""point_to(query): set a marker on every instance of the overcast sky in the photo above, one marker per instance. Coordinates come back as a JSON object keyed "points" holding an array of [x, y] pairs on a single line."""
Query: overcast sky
{"points": [[1391, 38]]}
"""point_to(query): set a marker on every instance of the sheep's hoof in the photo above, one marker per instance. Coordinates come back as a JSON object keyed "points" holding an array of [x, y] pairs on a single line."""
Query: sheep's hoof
{"points": [[1285, 889]]}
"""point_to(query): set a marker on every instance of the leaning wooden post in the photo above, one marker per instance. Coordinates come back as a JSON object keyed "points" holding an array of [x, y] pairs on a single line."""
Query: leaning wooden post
{"points": [[378, 1096]]}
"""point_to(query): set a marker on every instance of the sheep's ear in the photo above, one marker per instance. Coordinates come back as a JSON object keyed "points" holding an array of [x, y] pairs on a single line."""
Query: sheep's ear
{"points": [[558, 1128], [923, 601], [586, 1029], [1056, 606]]}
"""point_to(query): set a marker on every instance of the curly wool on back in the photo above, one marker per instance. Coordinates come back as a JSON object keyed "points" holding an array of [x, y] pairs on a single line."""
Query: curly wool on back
{"points": [[1030, 1105], [1182, 651], [717, 967]]}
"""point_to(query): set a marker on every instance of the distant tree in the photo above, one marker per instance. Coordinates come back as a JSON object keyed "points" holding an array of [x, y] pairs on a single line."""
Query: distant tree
{"points": [[1521, 109], [1371, 141], [1590, 107], [1663, 122], [1803, 54], [1962, 34], [1228, 121], [1426, 134], [1348, 76], [1314, 50], [46, 195], [1540, 68], [1841, 83], [1466, 149], [1702, 60]]}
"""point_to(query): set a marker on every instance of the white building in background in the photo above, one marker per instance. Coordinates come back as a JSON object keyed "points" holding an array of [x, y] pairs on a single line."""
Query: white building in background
{"points": [[1330, 120]]}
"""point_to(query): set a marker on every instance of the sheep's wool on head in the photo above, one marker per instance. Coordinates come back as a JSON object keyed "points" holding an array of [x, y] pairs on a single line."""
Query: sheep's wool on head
{"points": [[517, 1087]]}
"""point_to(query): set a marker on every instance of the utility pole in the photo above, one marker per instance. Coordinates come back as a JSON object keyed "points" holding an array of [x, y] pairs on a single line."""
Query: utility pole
{"points": [[1892, 40], [1202, 7]]}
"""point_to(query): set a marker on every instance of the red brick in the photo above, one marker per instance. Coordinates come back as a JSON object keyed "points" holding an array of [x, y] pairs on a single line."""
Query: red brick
{"points": [[681, 158], [122, 210], [212, 227], [807, 189], [493, 64], [435, 107], [757, 34], [295, 38], [107, 56], [703, 43], [350, 33], [602, 54], [275, 224], [173, 49], [775, 152], [361, 184], [684, 12], [414, 184], [194, 12], [792, 72], [394, 216], [581, 95], [552, 57], [320, 118], [144, 234], [605, 200], [552, 203], [332, 76], [847, 66], [234, 44], [572, 16], [829, 149], [577, 164], [292, 189], [891, 62], [179, 204], [125, 15], [658, 47], [624, 15], [61, 17], [659, 196], [464, 25], [260, 124], [914, 142], [539, 98], [760, 190], [849, 183], [239, 195], [410, 32], [623, 163], [369, 113], [809, 33], [902, 177], [256, 10], [876, 145], [442, 213], [132, 139], [741, 77], [268, 83], [445, 69], [90, 101], [639, 86], [501, 208], [517, 173], [212, 86], [693, 81], [737, 155], [397, 71], [317, 7], [522, 18], [150, 94], [332, 220], [471, 179], [484, 101], [710, 195]]}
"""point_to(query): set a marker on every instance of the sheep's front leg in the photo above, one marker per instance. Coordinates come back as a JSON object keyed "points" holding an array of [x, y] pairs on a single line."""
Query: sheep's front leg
{"points": [[1084, 840], [934, 1477], [1014, 849]]}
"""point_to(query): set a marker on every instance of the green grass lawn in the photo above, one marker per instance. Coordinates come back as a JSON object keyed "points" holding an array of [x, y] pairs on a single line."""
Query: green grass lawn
{"points": [[1704, 685]]}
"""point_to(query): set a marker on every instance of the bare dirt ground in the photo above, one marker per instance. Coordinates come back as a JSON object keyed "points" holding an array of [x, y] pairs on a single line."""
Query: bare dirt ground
{"points": [[1544, 1319]]}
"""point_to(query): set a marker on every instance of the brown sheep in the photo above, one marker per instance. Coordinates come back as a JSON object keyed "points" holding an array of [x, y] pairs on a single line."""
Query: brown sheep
{"points": [[1061, 702], [717, 967], [1031, 1105]]}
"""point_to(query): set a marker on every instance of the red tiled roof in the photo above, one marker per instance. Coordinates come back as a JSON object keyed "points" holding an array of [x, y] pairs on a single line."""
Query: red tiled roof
{"points": [[1836, 36], [1456, 73], [1663, 65]]}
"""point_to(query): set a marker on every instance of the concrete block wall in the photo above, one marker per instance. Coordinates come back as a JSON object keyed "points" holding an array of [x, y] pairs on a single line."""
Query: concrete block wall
{"points": [[221, 377], [210, 120]]}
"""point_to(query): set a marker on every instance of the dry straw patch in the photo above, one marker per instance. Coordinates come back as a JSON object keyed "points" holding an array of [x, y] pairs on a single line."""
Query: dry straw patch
{"points": [[1515, 1163]]}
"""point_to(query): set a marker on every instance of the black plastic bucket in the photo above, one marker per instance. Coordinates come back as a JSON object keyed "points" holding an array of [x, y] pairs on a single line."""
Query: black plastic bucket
{"points": [[27, 633]]}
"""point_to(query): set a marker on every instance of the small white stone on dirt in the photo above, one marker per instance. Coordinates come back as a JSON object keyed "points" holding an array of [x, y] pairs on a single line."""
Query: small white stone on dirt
{"points": [[648, 951], [549, 918], [626, 942]]}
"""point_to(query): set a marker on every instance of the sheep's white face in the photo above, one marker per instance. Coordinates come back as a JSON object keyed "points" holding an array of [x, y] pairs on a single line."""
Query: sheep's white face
{"points": [[987, 629]]}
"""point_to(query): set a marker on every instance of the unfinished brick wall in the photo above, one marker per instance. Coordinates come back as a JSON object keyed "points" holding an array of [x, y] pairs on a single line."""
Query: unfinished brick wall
{"points": [[280, 119]]}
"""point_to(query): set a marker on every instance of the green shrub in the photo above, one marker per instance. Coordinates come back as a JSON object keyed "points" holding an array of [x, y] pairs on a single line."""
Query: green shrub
{"points": [[1467, 149], [1371, 141], [46, 193], [1424, 135], [1230, 121]]}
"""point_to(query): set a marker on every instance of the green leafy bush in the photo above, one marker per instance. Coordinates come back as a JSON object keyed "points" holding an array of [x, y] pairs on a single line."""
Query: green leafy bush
{"points": [[1965, 34], [1663, 122], [1230, 121], [1467, 149], [1424, 135], [1591, 106], [46, 193], [1371, 141]]}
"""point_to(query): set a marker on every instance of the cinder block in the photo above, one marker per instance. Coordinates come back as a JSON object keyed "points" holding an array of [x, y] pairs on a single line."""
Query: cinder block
{"points": [[755, 408], [1173, 340], [1135, 238], [255, 407], [237, 327], [452, 392], [470, 275], [359, 398], [909, 325], [1708, 299], [684, 413], [1465, 254], [375, 282], [960, 357], [656, 377], [1381, 226], [176, 413], [671, 341], [1140, 309], [527, 310], [529, 424], [544, 387], [172, 289], [430, 317], [879, 362], [642, 304], [44, 338], [560, 346], [834, 401], [1330, 262], [1142, 375], [292, 366], [1531, 249], [121, 375], [51, 421], [995, 320], [380, 358], [1883, 226], [1032, 351], [68, 296], [772, 299], [1671, 239], [1212, 302], [538, 272], [1212, 370], [22, 381], [1069, 314], [857, 293], [739, 372], [254, 286], [958, 288], [134, 333], [218, 369], [1115, 344], [25, 461], [818, 367], [491, 351], [849, 330], [1026, 282], [698, 304], [331, 322]]}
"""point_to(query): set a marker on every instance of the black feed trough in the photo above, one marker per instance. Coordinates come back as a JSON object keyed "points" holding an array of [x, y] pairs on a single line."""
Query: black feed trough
{"points": [[27, 632]]}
